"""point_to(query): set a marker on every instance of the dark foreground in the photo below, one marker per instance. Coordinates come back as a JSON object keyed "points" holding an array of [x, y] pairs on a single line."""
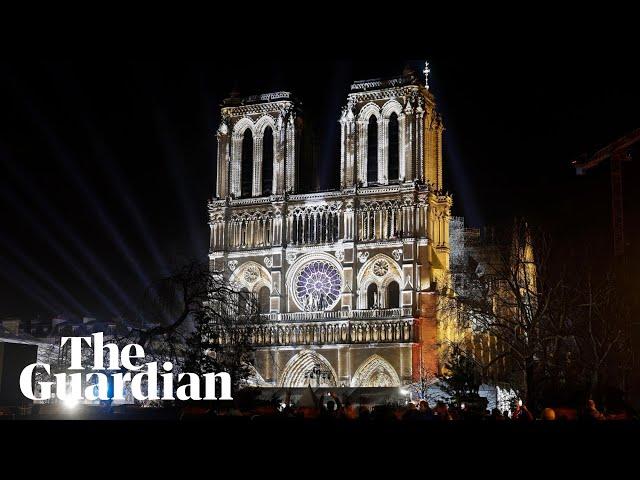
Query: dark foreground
{"points": [[238, 446]]}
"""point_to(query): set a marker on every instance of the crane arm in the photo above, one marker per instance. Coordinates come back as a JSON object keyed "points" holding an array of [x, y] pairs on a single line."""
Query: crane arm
{"points": [[605, 152]]}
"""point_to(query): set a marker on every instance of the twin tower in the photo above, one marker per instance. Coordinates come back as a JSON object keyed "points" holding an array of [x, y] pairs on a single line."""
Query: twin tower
{"points": [[390, 130], [346, 279]]}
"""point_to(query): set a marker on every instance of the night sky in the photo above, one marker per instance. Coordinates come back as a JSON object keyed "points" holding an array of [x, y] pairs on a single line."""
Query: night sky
{"points": [[107, 166]]}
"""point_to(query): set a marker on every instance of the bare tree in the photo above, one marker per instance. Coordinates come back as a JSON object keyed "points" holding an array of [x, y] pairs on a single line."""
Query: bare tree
{"points": [[198, 320], [423, 387], [514, 298], [599, 328], [226, 332]]}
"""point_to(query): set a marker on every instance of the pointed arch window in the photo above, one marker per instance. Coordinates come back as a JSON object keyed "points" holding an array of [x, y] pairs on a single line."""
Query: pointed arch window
{"points": [[246, 164], [372, 296], [264, 299], [244, 301], [267, 162], [372, 149], [393, 295], [394, 148]]}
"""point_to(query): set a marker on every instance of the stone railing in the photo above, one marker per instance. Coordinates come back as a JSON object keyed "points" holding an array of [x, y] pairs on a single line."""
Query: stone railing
{"points": [[374, 314], [341, 332]]}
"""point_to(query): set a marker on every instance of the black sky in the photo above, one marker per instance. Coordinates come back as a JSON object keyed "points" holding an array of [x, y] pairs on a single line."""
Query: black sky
{"points": [[107, 166]]}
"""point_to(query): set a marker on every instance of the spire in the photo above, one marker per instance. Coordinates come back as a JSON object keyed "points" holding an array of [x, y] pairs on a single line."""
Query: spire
{"points": [[426, 71]]}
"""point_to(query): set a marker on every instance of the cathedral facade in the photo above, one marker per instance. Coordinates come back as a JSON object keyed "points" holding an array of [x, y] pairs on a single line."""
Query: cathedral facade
{"points": [[347, 279]]}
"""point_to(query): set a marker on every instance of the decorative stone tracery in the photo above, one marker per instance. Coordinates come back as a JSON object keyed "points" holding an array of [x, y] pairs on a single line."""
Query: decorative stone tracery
{"points": [[375, 372], [380, 271], [296, 372], [252, 276], [315, 282]]}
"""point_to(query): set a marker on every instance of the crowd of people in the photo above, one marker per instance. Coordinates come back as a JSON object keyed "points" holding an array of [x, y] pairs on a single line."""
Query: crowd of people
{"points": [[333, 408]]}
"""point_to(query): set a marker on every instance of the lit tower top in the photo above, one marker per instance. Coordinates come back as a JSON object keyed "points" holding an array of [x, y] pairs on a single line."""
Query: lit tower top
{"points": [[391, 133], [259, 145]]}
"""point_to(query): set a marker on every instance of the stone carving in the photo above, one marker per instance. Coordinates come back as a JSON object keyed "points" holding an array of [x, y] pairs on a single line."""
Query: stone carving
{"points": [[397, 254], [363, 256], [380, 268], [291, 257], [251, 274], [232, 264], [268, 261], [340, 255]]}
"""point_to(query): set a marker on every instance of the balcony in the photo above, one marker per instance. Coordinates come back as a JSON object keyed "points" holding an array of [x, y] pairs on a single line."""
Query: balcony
{"points": [[373, 314]]}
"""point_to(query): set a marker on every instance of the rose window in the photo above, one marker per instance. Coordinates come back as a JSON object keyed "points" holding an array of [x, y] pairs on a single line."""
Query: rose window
{"points": [[318, 286], [251, 274], [380, 268]]}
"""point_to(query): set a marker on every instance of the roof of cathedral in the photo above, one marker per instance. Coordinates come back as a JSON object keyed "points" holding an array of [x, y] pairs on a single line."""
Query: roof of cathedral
{"points": [[234, 101], [407, 78]]}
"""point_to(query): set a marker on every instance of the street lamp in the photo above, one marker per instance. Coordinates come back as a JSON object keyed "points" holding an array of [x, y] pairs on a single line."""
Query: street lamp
{"points": [[318, 373]]}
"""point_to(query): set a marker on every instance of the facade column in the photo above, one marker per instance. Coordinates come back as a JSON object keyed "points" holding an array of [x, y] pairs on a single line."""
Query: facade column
{"points": [[361, 155], [383, 151], [409, 142], [236, 152], [257, 166], [402, 135], [291, 152], [222, 181], [420, 140], [279, 157]]}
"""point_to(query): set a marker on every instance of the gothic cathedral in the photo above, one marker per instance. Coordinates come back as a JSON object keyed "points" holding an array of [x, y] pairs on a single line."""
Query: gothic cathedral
{"points": [[347, 279]]}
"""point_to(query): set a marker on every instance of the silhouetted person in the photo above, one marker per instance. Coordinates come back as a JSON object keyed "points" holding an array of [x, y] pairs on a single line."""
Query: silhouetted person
{"points": [[411, 414], [442, 412], [522, 414], [592, 413], [425, 411]]}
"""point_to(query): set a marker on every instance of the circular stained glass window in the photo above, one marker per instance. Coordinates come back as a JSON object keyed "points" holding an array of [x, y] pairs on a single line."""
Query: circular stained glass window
{"points": [[318, 286]]}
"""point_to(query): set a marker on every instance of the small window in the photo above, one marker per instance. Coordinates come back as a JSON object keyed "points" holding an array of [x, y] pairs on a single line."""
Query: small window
{"points": [[247, 164], [394, 148], [372, 150], [267, 162]]}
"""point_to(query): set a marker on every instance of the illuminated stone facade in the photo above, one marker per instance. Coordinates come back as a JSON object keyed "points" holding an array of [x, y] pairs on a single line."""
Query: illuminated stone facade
{"points": [[347, 279]]}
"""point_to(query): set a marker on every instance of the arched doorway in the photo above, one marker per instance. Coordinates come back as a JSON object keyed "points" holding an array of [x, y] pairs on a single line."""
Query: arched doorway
{"points": [[308, 368], [375, 371]]}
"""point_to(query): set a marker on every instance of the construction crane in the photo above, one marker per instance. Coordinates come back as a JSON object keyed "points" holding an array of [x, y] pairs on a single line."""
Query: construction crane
{"points": [[617, 152]]}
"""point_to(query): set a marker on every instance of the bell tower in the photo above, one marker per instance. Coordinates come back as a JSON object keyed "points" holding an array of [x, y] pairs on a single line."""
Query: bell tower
{"points": [[391, 133], [259, 146]]}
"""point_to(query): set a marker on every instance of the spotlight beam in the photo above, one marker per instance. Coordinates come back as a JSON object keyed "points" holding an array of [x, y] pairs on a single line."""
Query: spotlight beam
{"points": [[43, 275], [29, 287], [108, 167], [66, 159], [59, 249], [59, 221], [173, 161], [110, 228], [105, 158]]}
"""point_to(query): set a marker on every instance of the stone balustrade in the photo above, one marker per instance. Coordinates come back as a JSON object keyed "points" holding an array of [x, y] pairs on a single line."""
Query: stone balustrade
{"points": [[329, 332]]}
